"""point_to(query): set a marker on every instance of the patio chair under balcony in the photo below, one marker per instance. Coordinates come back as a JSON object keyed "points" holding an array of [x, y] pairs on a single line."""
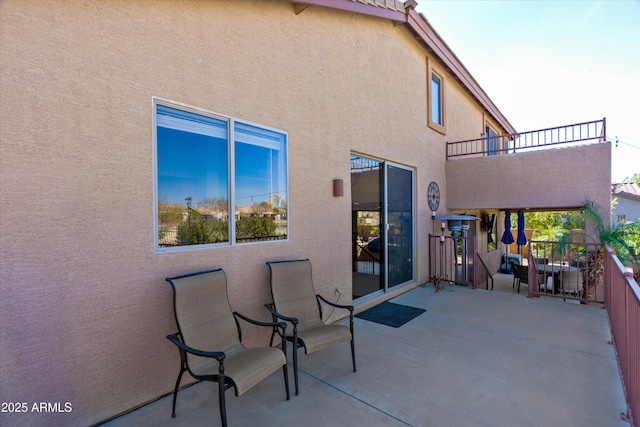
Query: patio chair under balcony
{"points": [[209, 338], [521, 274], [295, 301], [572, 282]]}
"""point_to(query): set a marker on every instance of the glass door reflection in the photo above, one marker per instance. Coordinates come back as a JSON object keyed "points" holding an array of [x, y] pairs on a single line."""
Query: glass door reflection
{"points": [[366, 218]]}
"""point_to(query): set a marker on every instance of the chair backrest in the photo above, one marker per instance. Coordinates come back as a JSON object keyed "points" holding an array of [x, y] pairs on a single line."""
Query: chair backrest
{"points": [[292, 290], [572, 279], [203, 313], [522, 272], [514, 270]]}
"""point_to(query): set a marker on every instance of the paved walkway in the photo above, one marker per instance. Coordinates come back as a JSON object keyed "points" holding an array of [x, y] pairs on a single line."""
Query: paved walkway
{"points": [[474, 358]]}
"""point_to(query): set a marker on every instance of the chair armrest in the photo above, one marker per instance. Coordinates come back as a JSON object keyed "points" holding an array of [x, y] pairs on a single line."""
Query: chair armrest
{"points": [[260, 323], [218, 355], [332, 304], [293, 320]]}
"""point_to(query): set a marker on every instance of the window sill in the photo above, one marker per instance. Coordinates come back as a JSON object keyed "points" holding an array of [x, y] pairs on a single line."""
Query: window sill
{"points": [[438, 128]]}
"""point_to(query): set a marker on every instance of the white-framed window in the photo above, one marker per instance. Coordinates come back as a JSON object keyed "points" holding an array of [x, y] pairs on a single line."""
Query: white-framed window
{"points": [[218, 180]]}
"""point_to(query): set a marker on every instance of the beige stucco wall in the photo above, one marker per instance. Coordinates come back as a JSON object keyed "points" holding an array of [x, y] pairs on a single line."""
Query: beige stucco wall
{"points": [[545, 179], [85, 308]]}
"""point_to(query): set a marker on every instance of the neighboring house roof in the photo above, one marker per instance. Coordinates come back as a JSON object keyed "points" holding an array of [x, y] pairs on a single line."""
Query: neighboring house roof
{"points": [[627, 189], [404, 12]]}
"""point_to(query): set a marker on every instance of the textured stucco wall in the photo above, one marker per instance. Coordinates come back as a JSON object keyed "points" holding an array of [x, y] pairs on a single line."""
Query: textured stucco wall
{"points": [[545, 179], [85, 307]]}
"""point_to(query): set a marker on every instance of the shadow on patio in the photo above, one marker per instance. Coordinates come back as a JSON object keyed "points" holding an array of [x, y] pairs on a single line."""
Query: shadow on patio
{"points": [[475, 357]]}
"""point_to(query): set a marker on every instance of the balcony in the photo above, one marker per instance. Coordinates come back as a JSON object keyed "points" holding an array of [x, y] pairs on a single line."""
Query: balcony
{"points": [[553, 168], [475, 357]]}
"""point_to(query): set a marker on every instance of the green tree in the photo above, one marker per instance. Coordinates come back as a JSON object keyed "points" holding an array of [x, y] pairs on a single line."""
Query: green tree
{"points": [[251, 226], [635, 178], [621, 237], [200, 229], [194, 232], [169, 217], [564, 220], [624, 239]]}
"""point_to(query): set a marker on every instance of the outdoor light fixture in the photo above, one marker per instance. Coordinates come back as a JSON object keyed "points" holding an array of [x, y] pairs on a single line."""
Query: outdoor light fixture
{"points": [[338, 188]]}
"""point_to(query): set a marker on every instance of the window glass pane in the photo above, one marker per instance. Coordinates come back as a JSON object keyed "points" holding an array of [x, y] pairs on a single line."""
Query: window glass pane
{"points": [[193, 183], [492, 142], [260, 184], [436, 97], [400, 225], [492, 243]]}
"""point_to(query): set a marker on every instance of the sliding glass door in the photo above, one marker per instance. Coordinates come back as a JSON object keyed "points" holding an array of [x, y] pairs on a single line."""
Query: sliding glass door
{"points": [[399, 217], [382, 196]]}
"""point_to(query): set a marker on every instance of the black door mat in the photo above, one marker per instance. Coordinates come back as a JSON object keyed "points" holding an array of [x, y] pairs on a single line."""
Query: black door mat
{"points": [[391, 314]]}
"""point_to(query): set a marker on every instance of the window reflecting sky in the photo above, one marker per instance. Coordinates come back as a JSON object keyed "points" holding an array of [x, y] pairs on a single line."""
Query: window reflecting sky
{"points": [[256, 178], [193, 160], [191, 165]]}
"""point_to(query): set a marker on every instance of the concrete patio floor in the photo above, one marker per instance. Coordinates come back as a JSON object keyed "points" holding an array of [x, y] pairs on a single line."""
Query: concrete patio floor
{"points": [[474, 358]]}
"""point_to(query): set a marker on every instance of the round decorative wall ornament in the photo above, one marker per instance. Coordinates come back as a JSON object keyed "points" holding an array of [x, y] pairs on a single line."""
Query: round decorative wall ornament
{"points": [[433, 196]]}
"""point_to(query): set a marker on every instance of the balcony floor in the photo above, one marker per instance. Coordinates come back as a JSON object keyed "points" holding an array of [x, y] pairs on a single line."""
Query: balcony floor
{"points": [[475, 357]]}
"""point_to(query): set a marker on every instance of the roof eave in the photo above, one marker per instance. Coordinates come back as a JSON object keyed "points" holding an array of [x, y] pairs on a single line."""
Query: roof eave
{"points": [[354, 6]]}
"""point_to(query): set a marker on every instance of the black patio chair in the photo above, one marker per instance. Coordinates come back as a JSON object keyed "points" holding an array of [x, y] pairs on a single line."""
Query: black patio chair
{"points": [[521, 274]]}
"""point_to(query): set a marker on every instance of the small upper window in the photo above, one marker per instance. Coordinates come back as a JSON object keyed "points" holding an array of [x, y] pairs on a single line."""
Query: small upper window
{"points": [[436, 104], [436, 99]]}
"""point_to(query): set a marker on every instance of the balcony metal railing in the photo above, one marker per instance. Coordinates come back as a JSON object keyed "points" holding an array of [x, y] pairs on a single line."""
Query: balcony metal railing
{"points": [[594, 131], [600, 278], [622, 301], [482, 273], [567, 270]]}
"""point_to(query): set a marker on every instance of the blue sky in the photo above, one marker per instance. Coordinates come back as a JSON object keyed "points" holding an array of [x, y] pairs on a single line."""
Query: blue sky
{"points": [[549, 63]]}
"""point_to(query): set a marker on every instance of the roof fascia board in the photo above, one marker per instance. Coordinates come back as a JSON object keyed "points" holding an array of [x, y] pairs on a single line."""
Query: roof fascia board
{"points": [[629, 196], [356, 7]]}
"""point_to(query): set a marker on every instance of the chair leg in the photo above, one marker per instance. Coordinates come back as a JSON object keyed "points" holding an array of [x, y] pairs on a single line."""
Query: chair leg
{"points": [[295, 362], [223, 409], [285, 368], [286, 380], [175, 392], [353, 353]]}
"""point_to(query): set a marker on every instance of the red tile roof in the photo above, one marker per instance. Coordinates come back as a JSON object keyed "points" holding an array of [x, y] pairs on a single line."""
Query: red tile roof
{"points": [[627, 189]]}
